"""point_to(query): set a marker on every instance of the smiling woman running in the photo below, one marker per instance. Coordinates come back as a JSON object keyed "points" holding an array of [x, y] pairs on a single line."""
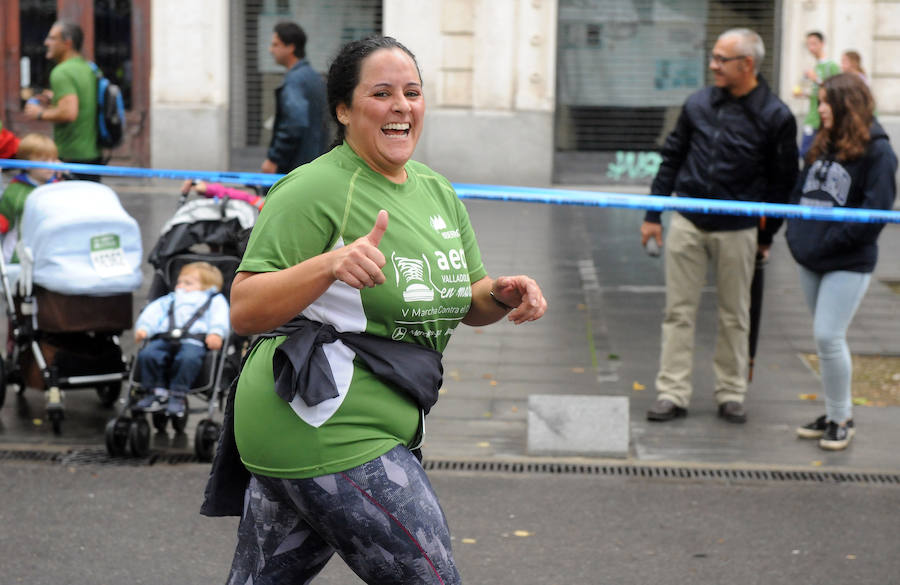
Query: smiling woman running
{"points": [[361, 265]]}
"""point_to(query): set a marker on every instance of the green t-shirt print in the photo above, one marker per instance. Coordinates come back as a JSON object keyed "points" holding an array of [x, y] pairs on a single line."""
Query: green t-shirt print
{"points": [[76, 140]]}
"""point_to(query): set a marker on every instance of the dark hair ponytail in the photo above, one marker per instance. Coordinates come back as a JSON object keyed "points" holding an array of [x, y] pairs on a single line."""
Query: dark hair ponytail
{"points": [[343, 75]]}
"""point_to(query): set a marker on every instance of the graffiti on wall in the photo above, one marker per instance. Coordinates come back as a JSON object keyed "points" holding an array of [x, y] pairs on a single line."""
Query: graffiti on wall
{"points": [[633, 165]]}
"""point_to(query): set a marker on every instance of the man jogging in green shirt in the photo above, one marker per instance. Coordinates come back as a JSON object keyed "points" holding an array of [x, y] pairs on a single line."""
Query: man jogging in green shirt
{"points": [[71, 104]]}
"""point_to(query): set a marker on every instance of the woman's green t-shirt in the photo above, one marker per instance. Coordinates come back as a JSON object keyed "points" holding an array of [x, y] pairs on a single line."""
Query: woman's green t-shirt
{"points": [[432, 259]]}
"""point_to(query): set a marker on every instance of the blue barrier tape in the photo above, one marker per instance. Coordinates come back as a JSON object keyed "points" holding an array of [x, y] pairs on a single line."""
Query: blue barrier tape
{"points": [[262, 179], [521, 194], [689, 204]]}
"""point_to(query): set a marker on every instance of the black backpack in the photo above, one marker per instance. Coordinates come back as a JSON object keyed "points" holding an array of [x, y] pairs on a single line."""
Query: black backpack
{"points": [[110, 111]]}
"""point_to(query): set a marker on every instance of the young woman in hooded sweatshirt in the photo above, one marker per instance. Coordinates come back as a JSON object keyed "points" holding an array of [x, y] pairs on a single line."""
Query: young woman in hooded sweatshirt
{"points": [[850, 164]]}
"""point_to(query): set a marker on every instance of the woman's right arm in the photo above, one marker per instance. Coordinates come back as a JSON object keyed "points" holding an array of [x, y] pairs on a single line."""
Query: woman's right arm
{"points": [[262, 301]]}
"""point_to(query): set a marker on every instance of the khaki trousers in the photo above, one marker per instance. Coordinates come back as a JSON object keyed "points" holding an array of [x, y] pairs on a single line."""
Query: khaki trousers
{"points": [[688, 253]]}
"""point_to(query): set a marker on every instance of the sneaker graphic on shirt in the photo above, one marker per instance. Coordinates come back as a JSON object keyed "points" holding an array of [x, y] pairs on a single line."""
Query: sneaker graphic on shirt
{"points": [[413, 271]]}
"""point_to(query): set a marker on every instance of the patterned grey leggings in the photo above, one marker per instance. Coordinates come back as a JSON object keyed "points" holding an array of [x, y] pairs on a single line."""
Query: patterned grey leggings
{"points": [[382, 518]]}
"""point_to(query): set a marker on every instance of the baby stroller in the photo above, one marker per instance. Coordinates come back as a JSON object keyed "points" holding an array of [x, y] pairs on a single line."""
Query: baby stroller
{"points": [[207, 230], [70, 297]]}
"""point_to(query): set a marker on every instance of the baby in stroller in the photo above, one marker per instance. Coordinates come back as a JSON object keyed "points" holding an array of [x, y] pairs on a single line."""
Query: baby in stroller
{"points": [[180, 326], [201, 230]]}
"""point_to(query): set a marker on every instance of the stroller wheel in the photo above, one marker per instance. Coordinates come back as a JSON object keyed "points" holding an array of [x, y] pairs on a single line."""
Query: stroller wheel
{"points": [[160, 420], [109, 393], [117, 436], [56, 417], [179, 423], [139, 437], [205, 439]]}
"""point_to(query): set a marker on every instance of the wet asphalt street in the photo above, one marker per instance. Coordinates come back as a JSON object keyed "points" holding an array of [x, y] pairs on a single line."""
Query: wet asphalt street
{"points": [[89, 525], [137, 523]]}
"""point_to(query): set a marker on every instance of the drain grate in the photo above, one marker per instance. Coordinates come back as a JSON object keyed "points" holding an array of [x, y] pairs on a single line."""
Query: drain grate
{"points": [[674, 472], [666, 472]]}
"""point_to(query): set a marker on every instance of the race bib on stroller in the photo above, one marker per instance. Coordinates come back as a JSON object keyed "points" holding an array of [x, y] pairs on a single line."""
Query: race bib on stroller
{"points": [[108, 257]]}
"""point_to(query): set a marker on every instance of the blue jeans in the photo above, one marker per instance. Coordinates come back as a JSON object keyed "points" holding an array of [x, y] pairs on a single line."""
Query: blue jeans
{"points": [[162, 365], [833, 298]]}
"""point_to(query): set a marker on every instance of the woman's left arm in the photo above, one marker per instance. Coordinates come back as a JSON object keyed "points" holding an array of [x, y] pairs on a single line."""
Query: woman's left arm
{"points": [[879, 192], [519, 298]]}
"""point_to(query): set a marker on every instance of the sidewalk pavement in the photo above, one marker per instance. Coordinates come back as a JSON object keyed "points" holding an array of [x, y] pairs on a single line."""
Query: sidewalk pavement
{"points": [[600, 337]]}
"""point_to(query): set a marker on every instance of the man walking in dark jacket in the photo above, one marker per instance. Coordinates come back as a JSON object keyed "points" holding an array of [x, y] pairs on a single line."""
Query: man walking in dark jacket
{"points": [[299, 133], [733, 141]]}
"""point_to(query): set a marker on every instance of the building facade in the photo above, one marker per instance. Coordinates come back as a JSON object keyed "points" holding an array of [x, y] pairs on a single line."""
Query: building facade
{"points": [[521, 92]]}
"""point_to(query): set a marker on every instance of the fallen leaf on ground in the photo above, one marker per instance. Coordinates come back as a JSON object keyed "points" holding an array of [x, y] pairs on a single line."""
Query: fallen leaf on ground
{"points": [[859, 401], [493, 382], [808, 396], [469, 541], [638, 386], [522, 533], [483, 444]]}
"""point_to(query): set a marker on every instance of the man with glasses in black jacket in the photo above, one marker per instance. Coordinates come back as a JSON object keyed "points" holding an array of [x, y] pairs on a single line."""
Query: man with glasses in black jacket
{"points": [[734, 140]]}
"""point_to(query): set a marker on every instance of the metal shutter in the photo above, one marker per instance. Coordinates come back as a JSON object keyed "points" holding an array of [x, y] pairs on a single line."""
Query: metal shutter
{"points": [[624, 67], [328, 25]]}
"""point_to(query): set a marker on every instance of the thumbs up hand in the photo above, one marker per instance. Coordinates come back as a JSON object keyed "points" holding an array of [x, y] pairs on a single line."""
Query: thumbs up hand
{"points": [[359, 263]]}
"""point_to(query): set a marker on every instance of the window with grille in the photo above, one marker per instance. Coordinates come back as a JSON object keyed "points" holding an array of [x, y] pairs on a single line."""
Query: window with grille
{"points": [[328, 25], [624, 67], [35, 19]]}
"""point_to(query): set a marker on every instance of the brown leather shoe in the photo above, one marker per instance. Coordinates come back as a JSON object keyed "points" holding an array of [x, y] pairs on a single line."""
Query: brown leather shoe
{"points": [[733, 412], [663, 410]]}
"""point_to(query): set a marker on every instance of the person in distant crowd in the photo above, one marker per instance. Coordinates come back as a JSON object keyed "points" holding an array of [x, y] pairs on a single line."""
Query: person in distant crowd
{"points": [[9, 143], [181, 326], [851, 62], [734, 141], [299, 133], [818, 73], [850, 164], [12, 203], [71, 103]]}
